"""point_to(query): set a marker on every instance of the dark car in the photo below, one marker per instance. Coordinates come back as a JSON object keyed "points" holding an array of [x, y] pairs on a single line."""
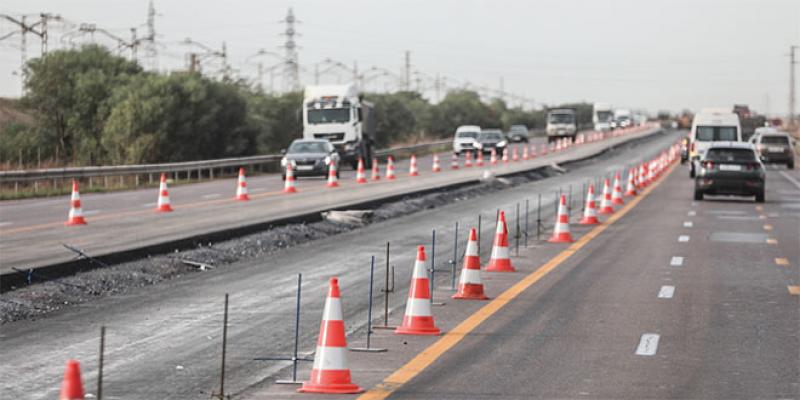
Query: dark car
{"points": [[518, 133], [310, 158], [730, 168], [775, 148], [492, 139]]}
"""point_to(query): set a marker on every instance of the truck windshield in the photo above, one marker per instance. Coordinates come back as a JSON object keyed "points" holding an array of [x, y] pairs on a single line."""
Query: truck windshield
{"points": [[562, 119], [605, 116], [716, 133], [329, 116]]}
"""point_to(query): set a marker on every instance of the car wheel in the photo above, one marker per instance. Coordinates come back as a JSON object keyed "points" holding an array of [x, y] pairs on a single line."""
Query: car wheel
{"points": [[760, 196], [790, 165], [698, 195], [283, 177], [337, 174], [691, 171]]}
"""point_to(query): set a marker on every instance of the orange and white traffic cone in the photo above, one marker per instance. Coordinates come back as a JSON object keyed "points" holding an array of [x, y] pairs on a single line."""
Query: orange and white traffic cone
{"points": [[330, 373], [333, 179], [493, 157], [533, 151], [72, 385], [436, 167], [454, 161], [505, 155], [651, 173], [390, 168], [241, 187], [561, 232], [616, 195], [288, 184], [514, 154], [163, 204], [376, 171], [500, 261], [361, 175], [479, 159], [75, 216], [557, 145], [544, 150], [412, 166], [525, 155], [640, 177], [418, 319], [590, 211], [605, 202], [468, 159], [470, 286], [630, 190]]}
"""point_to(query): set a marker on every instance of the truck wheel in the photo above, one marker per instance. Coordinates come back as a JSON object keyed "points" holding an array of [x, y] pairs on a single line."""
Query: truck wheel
{"points": [[760, 196], [698, 195], [790, 164], [691, 171]]}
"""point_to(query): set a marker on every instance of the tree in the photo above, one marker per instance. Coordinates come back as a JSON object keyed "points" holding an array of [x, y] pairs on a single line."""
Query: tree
{"points": [[461, 107]]}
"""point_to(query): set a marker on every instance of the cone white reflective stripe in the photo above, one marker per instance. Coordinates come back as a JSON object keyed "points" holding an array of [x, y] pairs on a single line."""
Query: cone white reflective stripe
{"points": [[470, 276], [330, 358], [333, 309], [390, 168], [499, 252], [75, 210], [562, 227], [472, 249], [525, 154], [412, 166], [418, 307]]}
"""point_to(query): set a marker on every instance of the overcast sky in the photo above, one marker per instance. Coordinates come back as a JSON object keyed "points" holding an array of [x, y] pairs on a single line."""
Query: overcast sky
{"points": [[651, 54]]}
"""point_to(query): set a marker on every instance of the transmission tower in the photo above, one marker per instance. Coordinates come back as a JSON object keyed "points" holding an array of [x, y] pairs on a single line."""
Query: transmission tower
{"points": [[291, 72], [150, 50]]}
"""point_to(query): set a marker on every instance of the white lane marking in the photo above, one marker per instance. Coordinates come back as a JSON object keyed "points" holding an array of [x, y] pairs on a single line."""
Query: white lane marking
{"points": [[148, 205], [648, 344], [683, 238], [258, 190], [92, 212], [676, 261], [666, 292], [688, 224], [692, 213], [5, 223], [211, 196], [789, 177]]}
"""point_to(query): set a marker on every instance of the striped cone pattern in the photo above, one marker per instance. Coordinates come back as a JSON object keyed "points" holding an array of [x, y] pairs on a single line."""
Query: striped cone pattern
{"points": [[630, 190], [288, 184], [493, 157], [418, 319], [331, 373], [436, 167], [376, 170], [543, 150], [454, 161], [390, 168], [590, 211], [412, 166], [605, 202], [468, 159], [616, 195], [470, 286], [72, 385], [333, 180], [515, 154], [505, 154], [561, 232], [640, 181], [75, 216], [479, 158], [525, 154], [361, 174], [500, 261], [163, 204], [241, 187]]}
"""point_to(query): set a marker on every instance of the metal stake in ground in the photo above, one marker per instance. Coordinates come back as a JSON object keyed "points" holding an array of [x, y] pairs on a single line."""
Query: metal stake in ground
{"points": [[369, 349], [386, 291], [479, 238], [454, 261], [100, 363], [432, 268], [526, 222], [221, 394], [516, 235], [569, 202], [539, 218]]}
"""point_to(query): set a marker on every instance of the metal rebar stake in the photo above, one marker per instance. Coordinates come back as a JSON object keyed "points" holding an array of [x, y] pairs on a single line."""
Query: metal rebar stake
{"points": [[455, 259], [516, 234], [221, 394], [527, 203], [294, 358], [100, 363], [386, 290], [479, 237], [432, 268], [370, 349], [539, 218]]}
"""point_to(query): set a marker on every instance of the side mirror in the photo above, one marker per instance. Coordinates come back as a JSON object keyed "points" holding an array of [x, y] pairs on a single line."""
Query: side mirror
{"points": [[283, 151]]}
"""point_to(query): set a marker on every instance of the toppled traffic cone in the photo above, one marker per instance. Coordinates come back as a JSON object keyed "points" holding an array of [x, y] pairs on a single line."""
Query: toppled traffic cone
{"points": [[333, 175], [390, 168], [561, 232], [605, 202], [590, 211], [616, 195], [72, 385], [630, 190], [468, 159], [470, 286], [454, 161], [75, 216], [241, 187], [163, 196], [361, 175], [288, 184], [376, 172], [436, 167], [418, 319], [500, 261], [331, 373], [412, 166]]}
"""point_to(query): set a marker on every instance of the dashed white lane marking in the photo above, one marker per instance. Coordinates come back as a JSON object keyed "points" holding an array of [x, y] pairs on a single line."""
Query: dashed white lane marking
{"points": [[148, 205], [683, 238], [5, 223], [258, 190], [676, 261], [692, 213], [211, 196], [666, 292], [92, 212], [648, 344], [688, 224], [789, 177]]}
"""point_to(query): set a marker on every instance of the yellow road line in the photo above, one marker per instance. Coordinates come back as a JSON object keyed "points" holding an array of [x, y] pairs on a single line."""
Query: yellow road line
{"points": [[782, 261], [451, 338], [794, 290]]}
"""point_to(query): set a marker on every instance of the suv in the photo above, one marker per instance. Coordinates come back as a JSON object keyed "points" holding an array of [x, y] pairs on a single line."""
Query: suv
{"points": [[518, 133], [709, 126], [466, 138], [730, 168], [774, 146]]}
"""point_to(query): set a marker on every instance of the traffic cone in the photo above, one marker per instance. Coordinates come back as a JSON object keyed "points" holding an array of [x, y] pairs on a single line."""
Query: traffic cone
{"points": [[616, 195], [525, 154], [361, 175], [468, 159], [376, 172], [533, 151], [470, 286], [412, 166], [544, 150], [514, 154], [651, 173], [418, 319], [630, 190], [493, 157], [500, 261], [75, 211], [561, 230], [390, 168], [72, 385], [241, 187], [505, 155], [333, 180], [330, 373], [640, 181], [454, 161], [590, 211], [605, 202], [479, 158], [163, 196], [558, 145], [289, 185], [436, 167]]}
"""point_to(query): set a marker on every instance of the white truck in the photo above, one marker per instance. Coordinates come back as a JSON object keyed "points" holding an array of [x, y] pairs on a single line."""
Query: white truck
{"points": [[602, 117], [561, 123], [622, 118], [339, 114]]}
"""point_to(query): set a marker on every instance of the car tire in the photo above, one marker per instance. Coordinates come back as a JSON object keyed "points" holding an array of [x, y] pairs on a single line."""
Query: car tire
{"points": [[698, 195], [691, 171], [790, 165], [283, 177], [760, 196]]}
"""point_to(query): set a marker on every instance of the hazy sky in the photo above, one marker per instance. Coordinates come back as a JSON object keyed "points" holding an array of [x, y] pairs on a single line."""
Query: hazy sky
{"points": [[665, 54]]}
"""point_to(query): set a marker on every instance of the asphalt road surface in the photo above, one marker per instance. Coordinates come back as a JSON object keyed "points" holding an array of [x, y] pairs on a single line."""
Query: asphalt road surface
{"points": [[164, 341]]}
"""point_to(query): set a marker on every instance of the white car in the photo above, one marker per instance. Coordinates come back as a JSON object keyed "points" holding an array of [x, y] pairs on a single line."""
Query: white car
{"points": [[466, 139], [709, 126]]}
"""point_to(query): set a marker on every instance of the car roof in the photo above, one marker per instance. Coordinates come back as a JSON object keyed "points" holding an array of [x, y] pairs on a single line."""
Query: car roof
{"points": [[776, 134], [731, 145], [726, 118], [468, 128]]}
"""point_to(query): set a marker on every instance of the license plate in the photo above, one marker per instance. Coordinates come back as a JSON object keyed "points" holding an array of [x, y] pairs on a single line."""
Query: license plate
{"points": [[730, 167], [775, 149], [305, 167]]}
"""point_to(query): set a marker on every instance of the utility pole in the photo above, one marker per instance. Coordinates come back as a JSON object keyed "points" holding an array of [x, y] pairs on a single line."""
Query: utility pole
{"points": [[792, 63], [408, 70]]}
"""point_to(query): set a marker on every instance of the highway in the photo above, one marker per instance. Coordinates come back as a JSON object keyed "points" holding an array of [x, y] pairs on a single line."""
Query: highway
{"points": [[164, 340]]}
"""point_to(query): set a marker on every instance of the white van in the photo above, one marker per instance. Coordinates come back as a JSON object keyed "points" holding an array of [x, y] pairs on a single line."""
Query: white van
{"points": [[465, 139], [711, 125]]}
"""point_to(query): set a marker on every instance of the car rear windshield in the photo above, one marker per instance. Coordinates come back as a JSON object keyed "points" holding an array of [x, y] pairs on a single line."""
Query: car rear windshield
{"points": [[775, 140], [743, 155], [472, 135], [716, 134]]}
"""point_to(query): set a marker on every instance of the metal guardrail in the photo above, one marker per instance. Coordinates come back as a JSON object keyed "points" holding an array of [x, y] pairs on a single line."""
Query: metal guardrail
{"points": [[20, 176]]}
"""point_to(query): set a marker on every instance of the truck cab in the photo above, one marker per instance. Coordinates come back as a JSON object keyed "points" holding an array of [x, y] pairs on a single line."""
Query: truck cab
{"points": [[561, 123], [602, 117]]}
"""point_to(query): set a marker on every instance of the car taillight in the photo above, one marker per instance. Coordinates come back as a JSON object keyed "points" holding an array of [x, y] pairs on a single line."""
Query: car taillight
{"points": [[753, 166], [708, 164]]}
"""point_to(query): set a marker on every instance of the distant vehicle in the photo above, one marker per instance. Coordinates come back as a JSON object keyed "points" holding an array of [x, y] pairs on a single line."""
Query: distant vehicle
{"points": [[684, 149], [518, 133], [602, 117], [561, 123], [711, 125], [622, 118], [310, 158], [492, 139], [338, 114], [466, 138], [774, 146], [730, 168]]}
